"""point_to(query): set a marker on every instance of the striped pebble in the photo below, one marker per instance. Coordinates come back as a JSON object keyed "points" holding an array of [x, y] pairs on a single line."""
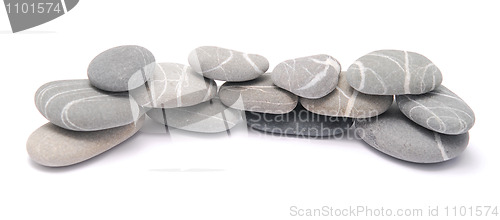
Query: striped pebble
{"points": [[78, 106]]}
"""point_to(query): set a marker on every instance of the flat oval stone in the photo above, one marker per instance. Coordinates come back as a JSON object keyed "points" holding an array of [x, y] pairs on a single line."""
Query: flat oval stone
{"points": [[227, 65], [174, 85], [121, 68], [207, 117], [393, 72], [298, 122], [53, 146], [345, 101], [258, 95], [77, 105], [394, 134], [440, 110], [309, 77]]}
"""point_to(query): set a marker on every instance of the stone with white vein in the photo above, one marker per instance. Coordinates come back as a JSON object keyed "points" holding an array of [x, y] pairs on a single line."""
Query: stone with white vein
{"points": [[174, 85], [440, 110], [393, 72], [207, 117], [121, 68], [309, 77], [227, 65], [258, 95], [298, 122], [53, 146], [394, 134], [77, 105], [345, 101]]}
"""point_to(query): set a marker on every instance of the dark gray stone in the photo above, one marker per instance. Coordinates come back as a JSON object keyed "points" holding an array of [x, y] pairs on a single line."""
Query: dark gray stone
{"points": [[344, 101], [309, 77], [440, 110], [258, 95], [393, 72], [174, 85], [299, 122], [207, 117], [227, 65], [53, 146], [394, 134], [121, 68], [78, 106]]}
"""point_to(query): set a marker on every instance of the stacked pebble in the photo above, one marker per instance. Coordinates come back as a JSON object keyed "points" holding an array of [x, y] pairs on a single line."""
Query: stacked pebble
{"points": [[308, 96]]}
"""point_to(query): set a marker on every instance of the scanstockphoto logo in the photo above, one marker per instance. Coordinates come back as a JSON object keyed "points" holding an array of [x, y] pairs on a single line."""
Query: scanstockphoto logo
{"points": [[25, 14]]}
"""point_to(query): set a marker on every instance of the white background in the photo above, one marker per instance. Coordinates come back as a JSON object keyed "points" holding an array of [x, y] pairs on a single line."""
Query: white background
{"points": [[249, 175]]}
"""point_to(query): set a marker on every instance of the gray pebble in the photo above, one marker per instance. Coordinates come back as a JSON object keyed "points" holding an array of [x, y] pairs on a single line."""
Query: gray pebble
{"points": [[393, 72], [258, 95], [394, 134], [53, 146], [207, 117], [440, 110], [174, 85], [121, 68], [344, 101], [227, 65], [78, 106], [309, 77], [298, 122]]}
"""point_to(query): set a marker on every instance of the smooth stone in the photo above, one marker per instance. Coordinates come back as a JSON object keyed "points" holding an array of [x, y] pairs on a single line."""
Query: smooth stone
{"points": [[77, 105], [345, 101], [227, 65], [393, 72], [121, 68], [53, 146], [207, 117], [394, 134], [298, 122], [309, 77], [440, 110], [258, 95], [174, 85]]}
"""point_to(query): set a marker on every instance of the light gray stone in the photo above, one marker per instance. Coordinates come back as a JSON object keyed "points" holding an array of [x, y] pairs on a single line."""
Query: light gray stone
{"points": [[394, 134], [309, 77], [77, 105], [345, 101], [393, 72], [227, 65], [53, 146], [207, 117], [298, 122], [440, 110], [174, 85], [121, 68], [258, 95]]}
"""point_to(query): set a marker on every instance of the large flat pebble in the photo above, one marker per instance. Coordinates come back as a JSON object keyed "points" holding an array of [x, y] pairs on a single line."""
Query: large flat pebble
{"points": [[77, 105], [53, 146]]}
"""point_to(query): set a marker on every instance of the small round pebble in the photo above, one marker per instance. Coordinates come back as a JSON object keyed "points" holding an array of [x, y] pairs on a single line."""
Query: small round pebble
{"points": [[309, 77], [227, 65], [121, 68], [440, 110]]}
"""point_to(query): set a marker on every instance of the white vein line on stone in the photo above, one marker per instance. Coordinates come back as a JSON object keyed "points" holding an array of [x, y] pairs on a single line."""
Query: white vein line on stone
{"points": [[255, 67], [362, 74], [342, 92], [350, 103], [446, 95], [65, 92], [164, 90], [50, 87], [407, 73], [316, 79], [221, 64], [453, 110], [437, 138], [178, 88], [387, 57], [288, 73], [201, 114], [328, 62], [420, 105], [64, 112]]}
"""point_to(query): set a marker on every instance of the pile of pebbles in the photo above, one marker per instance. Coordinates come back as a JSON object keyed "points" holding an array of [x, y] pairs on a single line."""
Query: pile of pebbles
{"points": [[392, 99]]}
